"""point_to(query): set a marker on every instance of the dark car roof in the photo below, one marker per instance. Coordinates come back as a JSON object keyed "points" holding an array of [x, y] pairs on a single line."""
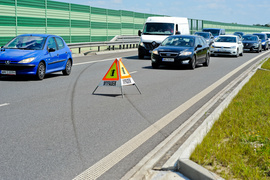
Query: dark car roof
{"points": [[194, 36], [249, 35], [259, 34]]}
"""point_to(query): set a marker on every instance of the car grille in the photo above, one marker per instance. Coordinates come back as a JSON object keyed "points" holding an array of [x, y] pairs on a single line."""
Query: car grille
{"points": [[222, 52], [248, 45], [168, 54], [222, 47], [149, 46]]}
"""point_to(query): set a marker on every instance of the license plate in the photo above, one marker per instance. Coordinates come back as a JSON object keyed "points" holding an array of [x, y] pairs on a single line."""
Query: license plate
{"points": [[8, 72], [168, 59]]}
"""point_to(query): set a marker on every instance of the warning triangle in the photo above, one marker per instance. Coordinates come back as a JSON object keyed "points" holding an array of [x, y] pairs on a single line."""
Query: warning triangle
{"points": [[117, 76], [112, 73], [123, 71]]}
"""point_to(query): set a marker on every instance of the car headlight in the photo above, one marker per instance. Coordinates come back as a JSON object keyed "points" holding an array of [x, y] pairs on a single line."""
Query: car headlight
{"points": [[155, 52], [185, 53], [141, 44], [212, 46], [233, 47], [255, 44], [263, 43], [28, 60]]}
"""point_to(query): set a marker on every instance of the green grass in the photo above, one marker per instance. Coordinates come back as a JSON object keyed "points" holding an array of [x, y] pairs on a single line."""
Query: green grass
{"points": [[238, 145]]}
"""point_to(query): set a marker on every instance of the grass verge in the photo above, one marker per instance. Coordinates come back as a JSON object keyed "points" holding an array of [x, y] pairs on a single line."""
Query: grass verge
{"points": [[238, 145]]}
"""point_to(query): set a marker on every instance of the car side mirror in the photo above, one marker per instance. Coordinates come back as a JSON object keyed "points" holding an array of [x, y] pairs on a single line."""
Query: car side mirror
{"points": [[178, 32], [51, 50], [139, 33], [199, 46]]}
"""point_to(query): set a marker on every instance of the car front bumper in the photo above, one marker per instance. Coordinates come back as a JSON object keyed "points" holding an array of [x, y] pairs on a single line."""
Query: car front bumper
{"points": [[18, 69], [175, 61], [223, 51]]}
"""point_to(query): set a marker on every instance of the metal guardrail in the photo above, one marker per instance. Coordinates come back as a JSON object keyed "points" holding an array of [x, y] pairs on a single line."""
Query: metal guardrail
{"points": [[122, 41]]}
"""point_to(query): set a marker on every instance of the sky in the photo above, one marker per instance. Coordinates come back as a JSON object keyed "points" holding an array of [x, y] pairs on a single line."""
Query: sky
{"points": [[246, 12]]}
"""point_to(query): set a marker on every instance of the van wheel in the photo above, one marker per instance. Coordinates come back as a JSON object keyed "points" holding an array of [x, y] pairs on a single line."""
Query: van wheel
{"points": [[140, 55], [155, 65]]}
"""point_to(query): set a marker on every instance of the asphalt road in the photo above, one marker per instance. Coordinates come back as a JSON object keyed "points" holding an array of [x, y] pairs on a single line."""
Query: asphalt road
{"points": [[57, 129]]}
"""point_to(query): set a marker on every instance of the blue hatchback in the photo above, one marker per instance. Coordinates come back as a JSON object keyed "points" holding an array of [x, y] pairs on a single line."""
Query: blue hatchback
{"points": [[35, 54]]}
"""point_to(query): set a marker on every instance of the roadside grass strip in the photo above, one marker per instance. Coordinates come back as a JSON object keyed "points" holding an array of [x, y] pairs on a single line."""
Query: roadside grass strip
{"points": [[238, 145]]}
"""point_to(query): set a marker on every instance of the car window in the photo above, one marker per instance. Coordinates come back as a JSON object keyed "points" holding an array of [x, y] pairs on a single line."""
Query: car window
{"points": [[52, 43], [26, 42], [226, 39], [60, 43], [178, 41], [203, 41]]}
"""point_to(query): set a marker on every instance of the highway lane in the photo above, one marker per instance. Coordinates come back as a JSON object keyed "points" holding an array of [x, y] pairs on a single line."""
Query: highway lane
{"points": [[56, 128]]}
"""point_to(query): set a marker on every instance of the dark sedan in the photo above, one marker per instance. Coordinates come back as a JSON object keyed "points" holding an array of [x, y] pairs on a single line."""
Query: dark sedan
{"points": [[181, 50], [252, 43]]}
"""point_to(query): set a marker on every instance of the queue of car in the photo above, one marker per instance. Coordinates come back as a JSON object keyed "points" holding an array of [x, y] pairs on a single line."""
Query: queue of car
{"points": [[192, 50]]}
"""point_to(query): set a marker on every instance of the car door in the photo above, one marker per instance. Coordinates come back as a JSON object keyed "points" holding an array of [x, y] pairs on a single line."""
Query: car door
{"points": [[199, 50], [53, 54], [62, 53]]}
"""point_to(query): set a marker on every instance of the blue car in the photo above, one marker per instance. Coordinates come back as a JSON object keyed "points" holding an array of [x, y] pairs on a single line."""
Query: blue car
{"points": [[264, 39], [35, 54]]}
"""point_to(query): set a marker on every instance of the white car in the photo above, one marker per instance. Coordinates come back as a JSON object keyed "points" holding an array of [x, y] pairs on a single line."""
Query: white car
{"points": [[227, 45]]}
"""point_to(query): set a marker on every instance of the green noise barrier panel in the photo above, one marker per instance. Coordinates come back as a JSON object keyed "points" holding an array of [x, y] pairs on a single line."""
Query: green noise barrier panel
{"points": [[80, 23]]}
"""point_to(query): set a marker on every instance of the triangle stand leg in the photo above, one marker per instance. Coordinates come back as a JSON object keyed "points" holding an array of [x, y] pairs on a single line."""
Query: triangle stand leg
{"points": [[138, 88], [94, 90], [122, 92]]}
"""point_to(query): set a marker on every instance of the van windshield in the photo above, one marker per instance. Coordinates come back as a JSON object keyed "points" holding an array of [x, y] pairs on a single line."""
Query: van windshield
{"points": [[215, 32], [158, 28]]}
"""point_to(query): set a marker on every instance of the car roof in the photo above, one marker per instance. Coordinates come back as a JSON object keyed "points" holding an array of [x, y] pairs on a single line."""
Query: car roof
{"points": [[259, 33], [194, 36], [228, 35], [250, 35], [41, 35]]}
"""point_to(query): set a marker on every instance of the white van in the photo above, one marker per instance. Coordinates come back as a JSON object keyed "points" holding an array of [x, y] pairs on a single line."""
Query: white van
{"points": [[156, 29]]}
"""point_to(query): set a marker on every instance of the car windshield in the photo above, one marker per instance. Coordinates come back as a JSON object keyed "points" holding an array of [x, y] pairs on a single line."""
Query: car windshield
{"points": [[226, 39], [205, 35], [261, 36], [250, 38], [215, 32], [26, 43], [158, 28], [178, 41]]}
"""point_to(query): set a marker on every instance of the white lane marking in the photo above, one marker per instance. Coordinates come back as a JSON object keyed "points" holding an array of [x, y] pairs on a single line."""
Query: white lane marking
{"points": [[90, 62], [120, 153], [133, 72], [5, 104]]}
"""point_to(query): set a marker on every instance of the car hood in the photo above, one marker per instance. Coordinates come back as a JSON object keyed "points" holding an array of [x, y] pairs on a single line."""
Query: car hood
{"points": [[151, 38], [224, 44], [17, 54], [249, 42], [174, 49]]}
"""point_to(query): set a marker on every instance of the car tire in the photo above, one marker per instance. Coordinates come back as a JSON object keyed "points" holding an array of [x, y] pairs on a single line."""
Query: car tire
{"points": [[40, 74], [67, 70], [241, 54], [237, 53], [207, 60], [155, 65], [192, 64], [140, 55]]}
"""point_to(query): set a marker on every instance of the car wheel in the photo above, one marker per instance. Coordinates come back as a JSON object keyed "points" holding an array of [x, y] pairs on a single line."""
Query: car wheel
{"points": [[155, 65], [40, 71], [67, 70], [241, 54], [141, 56], [237, 54], [207, 59], [192, 64]]}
